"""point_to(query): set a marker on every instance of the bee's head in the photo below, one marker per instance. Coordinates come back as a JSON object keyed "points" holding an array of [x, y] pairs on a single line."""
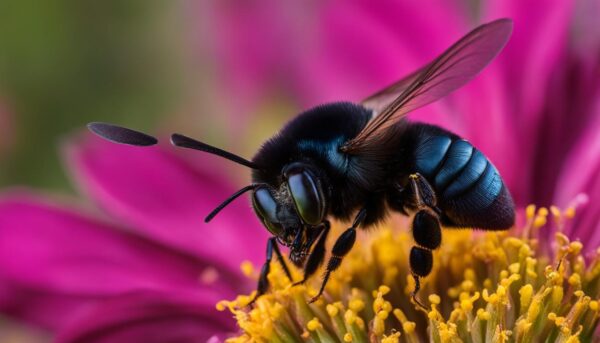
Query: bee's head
{"points": [[298, 204]]}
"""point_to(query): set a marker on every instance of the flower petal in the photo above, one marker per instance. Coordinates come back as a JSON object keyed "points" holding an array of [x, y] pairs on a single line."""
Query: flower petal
{"points": [[148, 317], [579, 174], [54, 259], [360, 47], [164, 198], [533, 53]]}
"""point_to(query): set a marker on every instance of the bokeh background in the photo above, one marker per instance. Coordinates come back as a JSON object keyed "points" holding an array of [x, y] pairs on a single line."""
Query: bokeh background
{"points": [[232, 72]]}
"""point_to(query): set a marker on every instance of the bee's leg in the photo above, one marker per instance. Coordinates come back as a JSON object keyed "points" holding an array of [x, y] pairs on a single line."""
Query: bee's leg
{"points": [[341, 247], [317, 255], [421, 190], [273, 244], [421, 262], [263, 281], [426, 231]]}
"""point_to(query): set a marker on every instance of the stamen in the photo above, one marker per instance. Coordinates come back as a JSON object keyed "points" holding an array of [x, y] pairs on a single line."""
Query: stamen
{"points": [[492, 287]]}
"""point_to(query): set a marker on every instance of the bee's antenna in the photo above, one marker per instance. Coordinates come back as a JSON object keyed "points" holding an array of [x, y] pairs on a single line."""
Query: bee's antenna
{"points": [[121, 135], [227, 201], [187, 142]]}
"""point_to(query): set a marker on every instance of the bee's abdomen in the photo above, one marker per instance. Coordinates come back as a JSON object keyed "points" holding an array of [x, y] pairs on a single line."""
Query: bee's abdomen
{"points": [[468, 186]]}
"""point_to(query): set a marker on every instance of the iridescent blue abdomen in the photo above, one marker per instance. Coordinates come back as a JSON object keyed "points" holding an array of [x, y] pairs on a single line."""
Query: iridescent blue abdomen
{"points": [[469, 189]]}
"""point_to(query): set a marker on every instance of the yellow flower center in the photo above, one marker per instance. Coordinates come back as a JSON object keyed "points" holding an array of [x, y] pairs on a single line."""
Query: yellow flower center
{"points": [[484, 287]]}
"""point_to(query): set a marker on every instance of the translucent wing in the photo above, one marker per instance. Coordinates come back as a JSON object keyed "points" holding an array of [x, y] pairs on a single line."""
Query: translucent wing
{"points": [[450, 71], [378, 101]]}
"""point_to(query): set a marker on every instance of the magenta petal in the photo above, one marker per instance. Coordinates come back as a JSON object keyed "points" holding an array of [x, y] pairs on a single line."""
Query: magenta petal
{"points": [[57, 258], [149, 317], [533, 54], [580, 175], [360, 47], [164, 198]]}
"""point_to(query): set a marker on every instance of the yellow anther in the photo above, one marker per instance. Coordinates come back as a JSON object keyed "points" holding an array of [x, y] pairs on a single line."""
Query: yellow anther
{"points": [[483, 314], [575, 247], [579, 293], [409, 327], [513, 242], [435, 299], [593, 305], [530, 211], [466, 305], [387, 306], [393, 338], [348, 337], [383, 289], [526, 293], [360, 322], [539, 221], [350, 317], [314, 324], [222, 305], [570, 212], [501, 291], [247, 268], [332, 310], [467, 285], [543, 212], [575, 280], [561, 239], [356, 305], [514, 268]]}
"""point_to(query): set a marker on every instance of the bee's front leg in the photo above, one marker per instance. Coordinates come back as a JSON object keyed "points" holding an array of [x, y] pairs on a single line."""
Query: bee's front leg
{"points": [[342, 246], [263, 281]]}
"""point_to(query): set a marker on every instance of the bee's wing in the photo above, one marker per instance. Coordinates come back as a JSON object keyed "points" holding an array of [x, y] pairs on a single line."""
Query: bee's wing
{"points": [[377, 102], [450, 71]]}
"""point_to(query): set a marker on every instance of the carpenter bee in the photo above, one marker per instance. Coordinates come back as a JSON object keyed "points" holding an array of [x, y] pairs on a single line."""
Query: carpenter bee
{"points": [[356, 162]]}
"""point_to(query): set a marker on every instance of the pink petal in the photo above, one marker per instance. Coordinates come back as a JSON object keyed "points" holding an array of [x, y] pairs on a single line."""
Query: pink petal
{"points": [[58, 259], [360, 47], [579, 174], [36, 307], [148, 317], [162, 197], [530, 59]]}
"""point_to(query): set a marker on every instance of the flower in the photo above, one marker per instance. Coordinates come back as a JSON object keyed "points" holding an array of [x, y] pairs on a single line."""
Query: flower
{"points": [[534, 111], [485, 287], [145, 267], [155, 198]]}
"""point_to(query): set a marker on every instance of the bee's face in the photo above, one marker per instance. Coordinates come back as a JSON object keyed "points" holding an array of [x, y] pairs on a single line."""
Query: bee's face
{"points": [[298, 203]]}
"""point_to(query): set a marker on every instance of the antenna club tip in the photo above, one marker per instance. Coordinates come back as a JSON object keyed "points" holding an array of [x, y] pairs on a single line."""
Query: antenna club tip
{"points": [[179, 140]]}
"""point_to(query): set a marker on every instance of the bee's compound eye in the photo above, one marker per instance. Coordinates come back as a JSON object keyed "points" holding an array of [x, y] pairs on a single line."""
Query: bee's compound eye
{"points": [[266, 206], [307, 196]]}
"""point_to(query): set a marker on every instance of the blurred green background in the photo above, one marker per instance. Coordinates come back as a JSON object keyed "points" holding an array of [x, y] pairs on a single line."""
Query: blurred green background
{"points": [[64, 63]]}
